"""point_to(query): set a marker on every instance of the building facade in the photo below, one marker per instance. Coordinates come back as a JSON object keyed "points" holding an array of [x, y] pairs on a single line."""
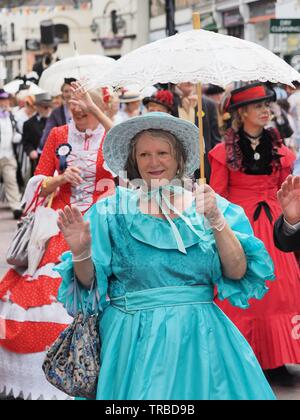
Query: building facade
{"points": [[248, 19], [288, 43], [120, 26], [252, 20], [116, 27], [30, 30]]}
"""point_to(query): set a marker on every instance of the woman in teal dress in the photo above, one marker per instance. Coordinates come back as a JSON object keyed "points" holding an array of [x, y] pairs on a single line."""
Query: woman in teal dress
{"points": [[159, 252]]}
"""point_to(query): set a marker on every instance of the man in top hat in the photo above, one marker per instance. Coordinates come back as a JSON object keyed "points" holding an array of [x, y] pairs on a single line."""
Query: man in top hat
{"points": [[214, 92], [161, 101], [8, 163], [60, 116], [33, 128]]}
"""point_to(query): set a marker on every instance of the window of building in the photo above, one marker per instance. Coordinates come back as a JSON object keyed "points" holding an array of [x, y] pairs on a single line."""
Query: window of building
{"points": [[13, 33], [3, 37], [237, 31]]}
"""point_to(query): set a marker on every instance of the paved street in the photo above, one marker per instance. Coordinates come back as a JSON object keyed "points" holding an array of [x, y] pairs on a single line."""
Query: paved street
{"points": [[7, 227]]}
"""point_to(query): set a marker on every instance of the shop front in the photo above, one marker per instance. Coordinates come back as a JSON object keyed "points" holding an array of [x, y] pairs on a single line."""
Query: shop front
{"points": [[261, 13], [233, 22]]}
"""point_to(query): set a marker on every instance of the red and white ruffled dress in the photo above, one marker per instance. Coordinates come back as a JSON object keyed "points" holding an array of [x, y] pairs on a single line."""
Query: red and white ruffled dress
{"points": [[31, 318]]}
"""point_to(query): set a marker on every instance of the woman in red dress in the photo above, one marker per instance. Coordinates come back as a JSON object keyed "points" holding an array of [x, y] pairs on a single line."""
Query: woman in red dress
{"points": [[31, 317], [248, 169]]}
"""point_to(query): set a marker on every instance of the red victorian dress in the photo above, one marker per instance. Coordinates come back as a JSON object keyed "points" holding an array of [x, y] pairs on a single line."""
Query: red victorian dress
{"points": [[251, 179], [29, 309]]}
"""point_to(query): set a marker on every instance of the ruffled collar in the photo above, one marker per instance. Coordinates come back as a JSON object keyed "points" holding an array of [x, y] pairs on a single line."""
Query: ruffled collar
{"points": [[78, 138], [267, 150], [158, 232], [235, 155]]}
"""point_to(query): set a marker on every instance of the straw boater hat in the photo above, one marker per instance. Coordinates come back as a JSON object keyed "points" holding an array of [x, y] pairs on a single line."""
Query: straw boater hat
{"points": [[129, 96], [250, 94], [117, 142]]}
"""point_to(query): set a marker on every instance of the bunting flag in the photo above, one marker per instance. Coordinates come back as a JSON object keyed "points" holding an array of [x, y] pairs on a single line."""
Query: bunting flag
{"points": [[34, 10]]}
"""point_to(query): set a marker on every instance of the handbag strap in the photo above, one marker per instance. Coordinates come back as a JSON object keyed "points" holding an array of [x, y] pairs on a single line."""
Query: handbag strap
{"points": [[34, 202], [91, 302]]}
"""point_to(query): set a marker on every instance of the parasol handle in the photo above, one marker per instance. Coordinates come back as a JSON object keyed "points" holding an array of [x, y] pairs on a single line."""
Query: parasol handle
{"points": [[197, 25]]}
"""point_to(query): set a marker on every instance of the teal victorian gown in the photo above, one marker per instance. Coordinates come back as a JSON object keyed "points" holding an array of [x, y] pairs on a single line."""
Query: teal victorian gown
{"points": [[162, 336]]}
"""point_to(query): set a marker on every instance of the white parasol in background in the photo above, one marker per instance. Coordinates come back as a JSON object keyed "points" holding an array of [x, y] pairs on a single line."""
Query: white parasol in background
{"points": [[78, 67], [28, 88]]}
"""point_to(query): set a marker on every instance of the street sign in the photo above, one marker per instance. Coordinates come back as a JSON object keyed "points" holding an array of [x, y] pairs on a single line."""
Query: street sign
{"points": [[285, 26]]}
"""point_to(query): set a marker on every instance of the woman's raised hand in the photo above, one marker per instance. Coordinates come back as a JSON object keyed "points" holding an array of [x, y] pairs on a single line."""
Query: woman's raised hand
{"points": [[81, 97], [289, 199], [76, 231]]}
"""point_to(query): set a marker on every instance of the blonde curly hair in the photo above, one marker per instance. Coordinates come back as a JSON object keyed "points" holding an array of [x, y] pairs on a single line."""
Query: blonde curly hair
{"points": [[237, 118]]}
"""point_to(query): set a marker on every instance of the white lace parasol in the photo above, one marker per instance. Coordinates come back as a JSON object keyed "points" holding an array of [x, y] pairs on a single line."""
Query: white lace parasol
{"points": [[78, 67], [198, 56]]}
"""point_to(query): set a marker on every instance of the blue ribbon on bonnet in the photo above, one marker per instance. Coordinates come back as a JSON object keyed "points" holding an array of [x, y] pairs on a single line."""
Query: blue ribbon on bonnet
{"points": [[158, 194]]}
